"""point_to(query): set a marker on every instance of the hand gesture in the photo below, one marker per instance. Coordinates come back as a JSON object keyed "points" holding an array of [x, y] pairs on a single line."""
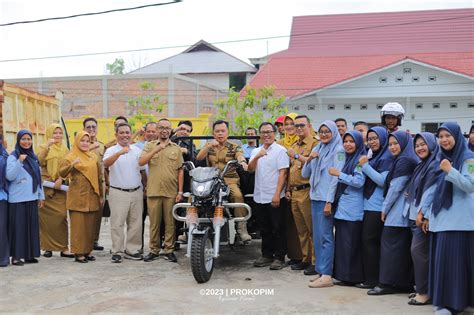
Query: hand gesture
{"points": [[76, 161], [22, 157], [291, 153], [162, 145], [94, 146], [334, 171], [445, 166], [51, 142], [327, 209], [184, 150], [125, 150], [363, 159], [261, 153], [214, 143], [244, 166], [313, 155]]}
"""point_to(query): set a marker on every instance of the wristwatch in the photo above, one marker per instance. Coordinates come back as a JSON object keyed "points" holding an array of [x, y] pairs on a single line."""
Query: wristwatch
{"points": [[296, 156]]}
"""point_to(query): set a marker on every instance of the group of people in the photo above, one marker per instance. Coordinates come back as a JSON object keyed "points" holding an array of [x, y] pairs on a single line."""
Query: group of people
{"points": [[374, 208]]}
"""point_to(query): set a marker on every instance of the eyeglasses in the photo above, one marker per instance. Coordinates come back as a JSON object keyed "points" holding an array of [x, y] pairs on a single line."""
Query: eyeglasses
{"points": [[164, 128], [266, 132], [372, 139], [325, 132], [91, 127], [300, 126]]}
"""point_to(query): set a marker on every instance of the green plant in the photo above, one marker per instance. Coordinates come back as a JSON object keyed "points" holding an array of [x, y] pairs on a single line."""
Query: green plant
{"points": [[143, 106]]}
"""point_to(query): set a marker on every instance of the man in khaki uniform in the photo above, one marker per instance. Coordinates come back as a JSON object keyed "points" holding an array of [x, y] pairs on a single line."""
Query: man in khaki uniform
{"points": [[218, 153], [90, 126], [164, 188], [298, 192]]}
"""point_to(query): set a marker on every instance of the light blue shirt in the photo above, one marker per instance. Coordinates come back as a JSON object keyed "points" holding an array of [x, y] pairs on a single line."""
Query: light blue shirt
{"points": [[374, 203], [424, 206], [324, 188], [3, 195], [248, 150], [460, 216], [20, 183], [395, 201], [351, 203], [140, 145]]}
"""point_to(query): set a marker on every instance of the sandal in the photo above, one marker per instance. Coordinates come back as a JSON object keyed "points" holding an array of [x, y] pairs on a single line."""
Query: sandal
{"points": [[17, 262], [415, 302], [412, 295], [47, 253], [90, 258], [82, 260]]}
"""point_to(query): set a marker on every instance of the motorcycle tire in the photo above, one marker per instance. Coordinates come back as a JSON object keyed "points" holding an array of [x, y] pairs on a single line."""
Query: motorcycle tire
{"points": [[202, 260]]}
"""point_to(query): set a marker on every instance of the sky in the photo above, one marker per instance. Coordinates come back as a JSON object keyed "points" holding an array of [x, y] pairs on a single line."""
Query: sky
{"points": [[181, 24]]}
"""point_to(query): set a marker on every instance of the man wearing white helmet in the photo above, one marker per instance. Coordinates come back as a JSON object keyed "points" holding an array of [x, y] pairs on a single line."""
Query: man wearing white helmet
{"points": [[392, 115]]}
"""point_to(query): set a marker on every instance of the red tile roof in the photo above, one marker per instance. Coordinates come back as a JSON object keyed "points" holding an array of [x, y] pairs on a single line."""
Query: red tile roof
{"points": [[320, 54]]}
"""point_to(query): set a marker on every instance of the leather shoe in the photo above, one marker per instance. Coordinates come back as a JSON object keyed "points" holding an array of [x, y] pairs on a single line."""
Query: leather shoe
{"points": [[151, 257], [31, 261], [67, 255], [292, 262], [381, 291], [82, 260], [310, 271], [47, 254], [365, 285], [98, 247], [300, 266], [90, 258]]}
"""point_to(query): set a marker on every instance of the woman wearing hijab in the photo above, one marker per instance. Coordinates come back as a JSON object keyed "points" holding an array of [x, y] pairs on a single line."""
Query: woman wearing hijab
{"points": [[25, 196], [84, 197], [451, 283], [418, 202], [53, 216], [294, 252], [396, 267], [470, 140], [328, 153], [376, 170], [349, 211], [4, 247]]}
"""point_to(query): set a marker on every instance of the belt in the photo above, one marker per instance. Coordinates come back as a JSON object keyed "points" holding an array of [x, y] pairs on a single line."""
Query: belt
{"points": [[127, 190], [300, 187]]}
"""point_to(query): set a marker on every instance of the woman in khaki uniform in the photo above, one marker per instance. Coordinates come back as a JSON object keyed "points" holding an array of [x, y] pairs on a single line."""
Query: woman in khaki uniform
{"points": [[53, 216], [84, 197]]}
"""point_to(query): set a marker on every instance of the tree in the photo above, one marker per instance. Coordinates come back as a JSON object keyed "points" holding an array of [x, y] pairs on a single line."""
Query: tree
{"points": [[117, 67], [250, 109], [142, 107]]}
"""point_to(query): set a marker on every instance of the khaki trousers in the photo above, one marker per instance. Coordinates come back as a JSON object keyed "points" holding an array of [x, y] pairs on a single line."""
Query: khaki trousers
{"points": [[161, 208], [301, 209], [236, 195], [126, 208]]}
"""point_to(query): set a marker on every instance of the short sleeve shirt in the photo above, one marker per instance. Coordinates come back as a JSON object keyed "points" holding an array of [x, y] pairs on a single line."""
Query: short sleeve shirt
{"points": [[163, 170], [125, 172], [302, 148]]}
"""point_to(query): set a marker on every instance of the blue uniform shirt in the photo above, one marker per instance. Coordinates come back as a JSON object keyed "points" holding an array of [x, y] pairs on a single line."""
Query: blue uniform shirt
{"points": [[20, 183], [374, 203], [351, 203], [394, 203], [248, 150], [424, 206], [460, 217]]}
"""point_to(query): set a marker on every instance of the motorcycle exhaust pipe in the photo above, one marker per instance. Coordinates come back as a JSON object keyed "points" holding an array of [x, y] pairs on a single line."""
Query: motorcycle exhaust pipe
{"points": [[218, 222]]}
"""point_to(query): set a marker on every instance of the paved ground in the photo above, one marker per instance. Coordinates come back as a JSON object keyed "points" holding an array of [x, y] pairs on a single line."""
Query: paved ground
{"points": [[60, 286]]}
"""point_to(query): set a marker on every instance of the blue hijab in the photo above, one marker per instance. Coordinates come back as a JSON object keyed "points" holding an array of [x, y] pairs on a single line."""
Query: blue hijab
{"points": [[404, 163], [469, 145], [3, 166], [427, 171], [351, 159], [31, 163], [326, 151], [460, 153], [381, 161]]}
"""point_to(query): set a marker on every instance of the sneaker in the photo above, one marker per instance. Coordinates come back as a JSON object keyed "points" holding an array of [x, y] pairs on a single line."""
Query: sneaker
{"points": [[170, 257], [321, 282], [151, 257], [277, 264], [263, 262], [116, 258], [136, 256]]}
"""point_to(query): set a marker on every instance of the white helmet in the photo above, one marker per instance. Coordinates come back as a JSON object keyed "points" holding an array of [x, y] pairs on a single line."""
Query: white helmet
{"points": [[394, 109]]}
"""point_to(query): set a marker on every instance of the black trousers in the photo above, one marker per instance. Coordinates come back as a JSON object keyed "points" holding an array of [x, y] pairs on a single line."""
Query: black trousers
{"points": [[420, 254], [273, 229], [371, 234], [145, 213]]}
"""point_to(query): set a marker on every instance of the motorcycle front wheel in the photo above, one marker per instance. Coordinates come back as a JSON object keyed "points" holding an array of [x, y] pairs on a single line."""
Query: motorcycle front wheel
{"points": [[202, 260]]}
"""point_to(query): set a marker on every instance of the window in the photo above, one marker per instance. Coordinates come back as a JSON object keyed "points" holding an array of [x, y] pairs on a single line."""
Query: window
{"points": [[363, 106], [436, 105], [432, 78], [311, 107], [419, 105], [406, 70], [296, 107], [453, 105], [379, 106], [331, 107], [415, 79], [399, 79], [383, 79], [347, 106], [430, 127], [237, 81], [470, 105]]}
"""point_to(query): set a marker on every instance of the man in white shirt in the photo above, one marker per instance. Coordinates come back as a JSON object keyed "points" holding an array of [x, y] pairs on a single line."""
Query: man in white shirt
{"points": [[125, 195], [270, 163]]}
